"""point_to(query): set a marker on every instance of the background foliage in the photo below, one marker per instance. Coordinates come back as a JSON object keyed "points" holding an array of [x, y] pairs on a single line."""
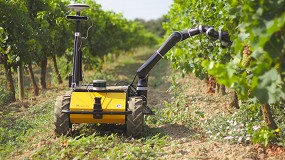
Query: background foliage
{"points": [[249, 23], [32, 32]]}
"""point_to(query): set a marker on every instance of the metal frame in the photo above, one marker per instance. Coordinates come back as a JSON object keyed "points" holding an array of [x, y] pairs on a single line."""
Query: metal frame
{"points": [[76, 75], [100, 113]]}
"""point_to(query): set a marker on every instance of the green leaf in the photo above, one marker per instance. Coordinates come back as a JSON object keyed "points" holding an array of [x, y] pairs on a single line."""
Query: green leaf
{"points": [[270, 77], [261, 94]]}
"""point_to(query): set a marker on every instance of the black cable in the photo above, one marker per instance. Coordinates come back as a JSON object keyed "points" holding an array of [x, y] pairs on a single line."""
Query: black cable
{"points": [[134, 79]]}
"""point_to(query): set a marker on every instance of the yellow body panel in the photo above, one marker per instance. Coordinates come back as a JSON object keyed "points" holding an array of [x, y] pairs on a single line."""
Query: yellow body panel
{"points": [[111, 101]]}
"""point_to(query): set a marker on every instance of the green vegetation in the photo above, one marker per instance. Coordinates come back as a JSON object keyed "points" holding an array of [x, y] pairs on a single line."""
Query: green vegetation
{"points": [[4, 97], [37, 31], [154, 25], [20, 126], [107, 147], [176, 111], [254, 65]]}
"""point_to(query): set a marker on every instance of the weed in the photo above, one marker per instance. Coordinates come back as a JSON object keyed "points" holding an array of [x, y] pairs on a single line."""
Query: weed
{"points": [[110, 146], [244, 126], [263, 135], [18, 128], [279, 116], [177, 111]]}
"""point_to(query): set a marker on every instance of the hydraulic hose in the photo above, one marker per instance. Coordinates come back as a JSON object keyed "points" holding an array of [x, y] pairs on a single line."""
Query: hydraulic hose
{"points": [[176, 37]]}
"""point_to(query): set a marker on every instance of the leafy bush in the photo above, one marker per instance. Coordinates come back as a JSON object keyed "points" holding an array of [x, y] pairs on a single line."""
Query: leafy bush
{"points": [[64, 65], [4, 96], [263, 136]]}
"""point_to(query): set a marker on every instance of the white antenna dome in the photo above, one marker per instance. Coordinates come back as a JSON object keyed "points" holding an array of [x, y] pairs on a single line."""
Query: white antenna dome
{"points": [[78, 7]]}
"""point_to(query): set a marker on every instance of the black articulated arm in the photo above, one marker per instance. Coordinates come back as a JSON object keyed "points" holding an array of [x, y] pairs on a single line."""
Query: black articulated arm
{"points": [[174, 38]]}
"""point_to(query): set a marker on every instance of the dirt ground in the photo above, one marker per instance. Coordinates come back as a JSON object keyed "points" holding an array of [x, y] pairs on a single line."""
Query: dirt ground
{"points": [[190, 147]]}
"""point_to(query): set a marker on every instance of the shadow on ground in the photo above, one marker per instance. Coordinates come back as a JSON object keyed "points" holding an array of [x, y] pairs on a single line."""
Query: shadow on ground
{"points": [[175, 131]]}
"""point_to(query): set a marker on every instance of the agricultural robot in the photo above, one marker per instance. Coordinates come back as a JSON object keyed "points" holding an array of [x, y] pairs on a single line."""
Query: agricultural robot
{"points": [[119, 104]]}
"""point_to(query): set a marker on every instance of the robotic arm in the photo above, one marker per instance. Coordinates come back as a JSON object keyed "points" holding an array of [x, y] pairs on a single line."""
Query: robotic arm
{"points": [[174, 38]]}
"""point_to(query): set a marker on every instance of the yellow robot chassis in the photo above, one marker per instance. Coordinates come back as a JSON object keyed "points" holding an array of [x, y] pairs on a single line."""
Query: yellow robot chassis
{"points": [[118, 104]]}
